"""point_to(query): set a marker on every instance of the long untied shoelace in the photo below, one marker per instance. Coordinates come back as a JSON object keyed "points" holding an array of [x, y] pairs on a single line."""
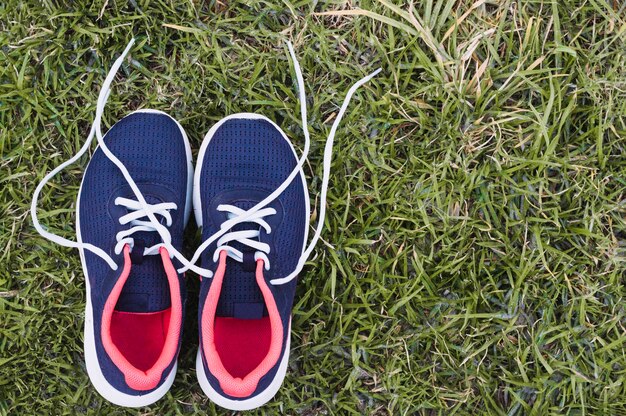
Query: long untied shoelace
{"points": [[144, 209]]}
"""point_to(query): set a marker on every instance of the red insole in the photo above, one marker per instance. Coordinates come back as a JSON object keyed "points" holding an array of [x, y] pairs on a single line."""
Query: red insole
{"points": [[242, 343], [140, 337]]}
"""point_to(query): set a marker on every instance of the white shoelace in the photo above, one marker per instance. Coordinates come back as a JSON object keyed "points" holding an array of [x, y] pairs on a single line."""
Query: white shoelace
{"points": [[142, 207], [236, 215], [133, 217], [245, 237]]}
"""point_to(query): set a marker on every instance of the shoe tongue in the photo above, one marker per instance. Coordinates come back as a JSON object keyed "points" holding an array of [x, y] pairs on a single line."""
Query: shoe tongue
{"points": [[248, 310], [249, 263], [147, 288], [241, 297]]}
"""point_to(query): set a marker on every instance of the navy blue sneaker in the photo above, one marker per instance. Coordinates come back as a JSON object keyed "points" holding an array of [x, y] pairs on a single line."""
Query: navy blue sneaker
{"points": [[244, 319], [252, 203], [132, 207], [134, 315]]}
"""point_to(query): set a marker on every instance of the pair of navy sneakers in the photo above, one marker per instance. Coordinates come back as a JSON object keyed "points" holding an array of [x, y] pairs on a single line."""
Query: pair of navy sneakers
{"points": [[250, 199]]}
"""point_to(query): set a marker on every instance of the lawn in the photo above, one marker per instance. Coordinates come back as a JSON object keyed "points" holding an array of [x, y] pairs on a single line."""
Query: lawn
{"points": [[474, 255]]}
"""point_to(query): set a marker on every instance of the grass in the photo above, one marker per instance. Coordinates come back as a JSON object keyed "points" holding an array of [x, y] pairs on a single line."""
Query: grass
{"points": [[474, 256]]}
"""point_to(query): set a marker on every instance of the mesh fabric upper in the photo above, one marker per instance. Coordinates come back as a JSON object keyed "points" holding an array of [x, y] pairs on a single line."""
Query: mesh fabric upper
{"points": [[252, 155]]}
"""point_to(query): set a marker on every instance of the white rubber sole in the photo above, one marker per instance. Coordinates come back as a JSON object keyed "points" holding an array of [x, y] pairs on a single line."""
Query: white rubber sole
{"points": [[274, 386], [100, 383], [248, 404]]}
